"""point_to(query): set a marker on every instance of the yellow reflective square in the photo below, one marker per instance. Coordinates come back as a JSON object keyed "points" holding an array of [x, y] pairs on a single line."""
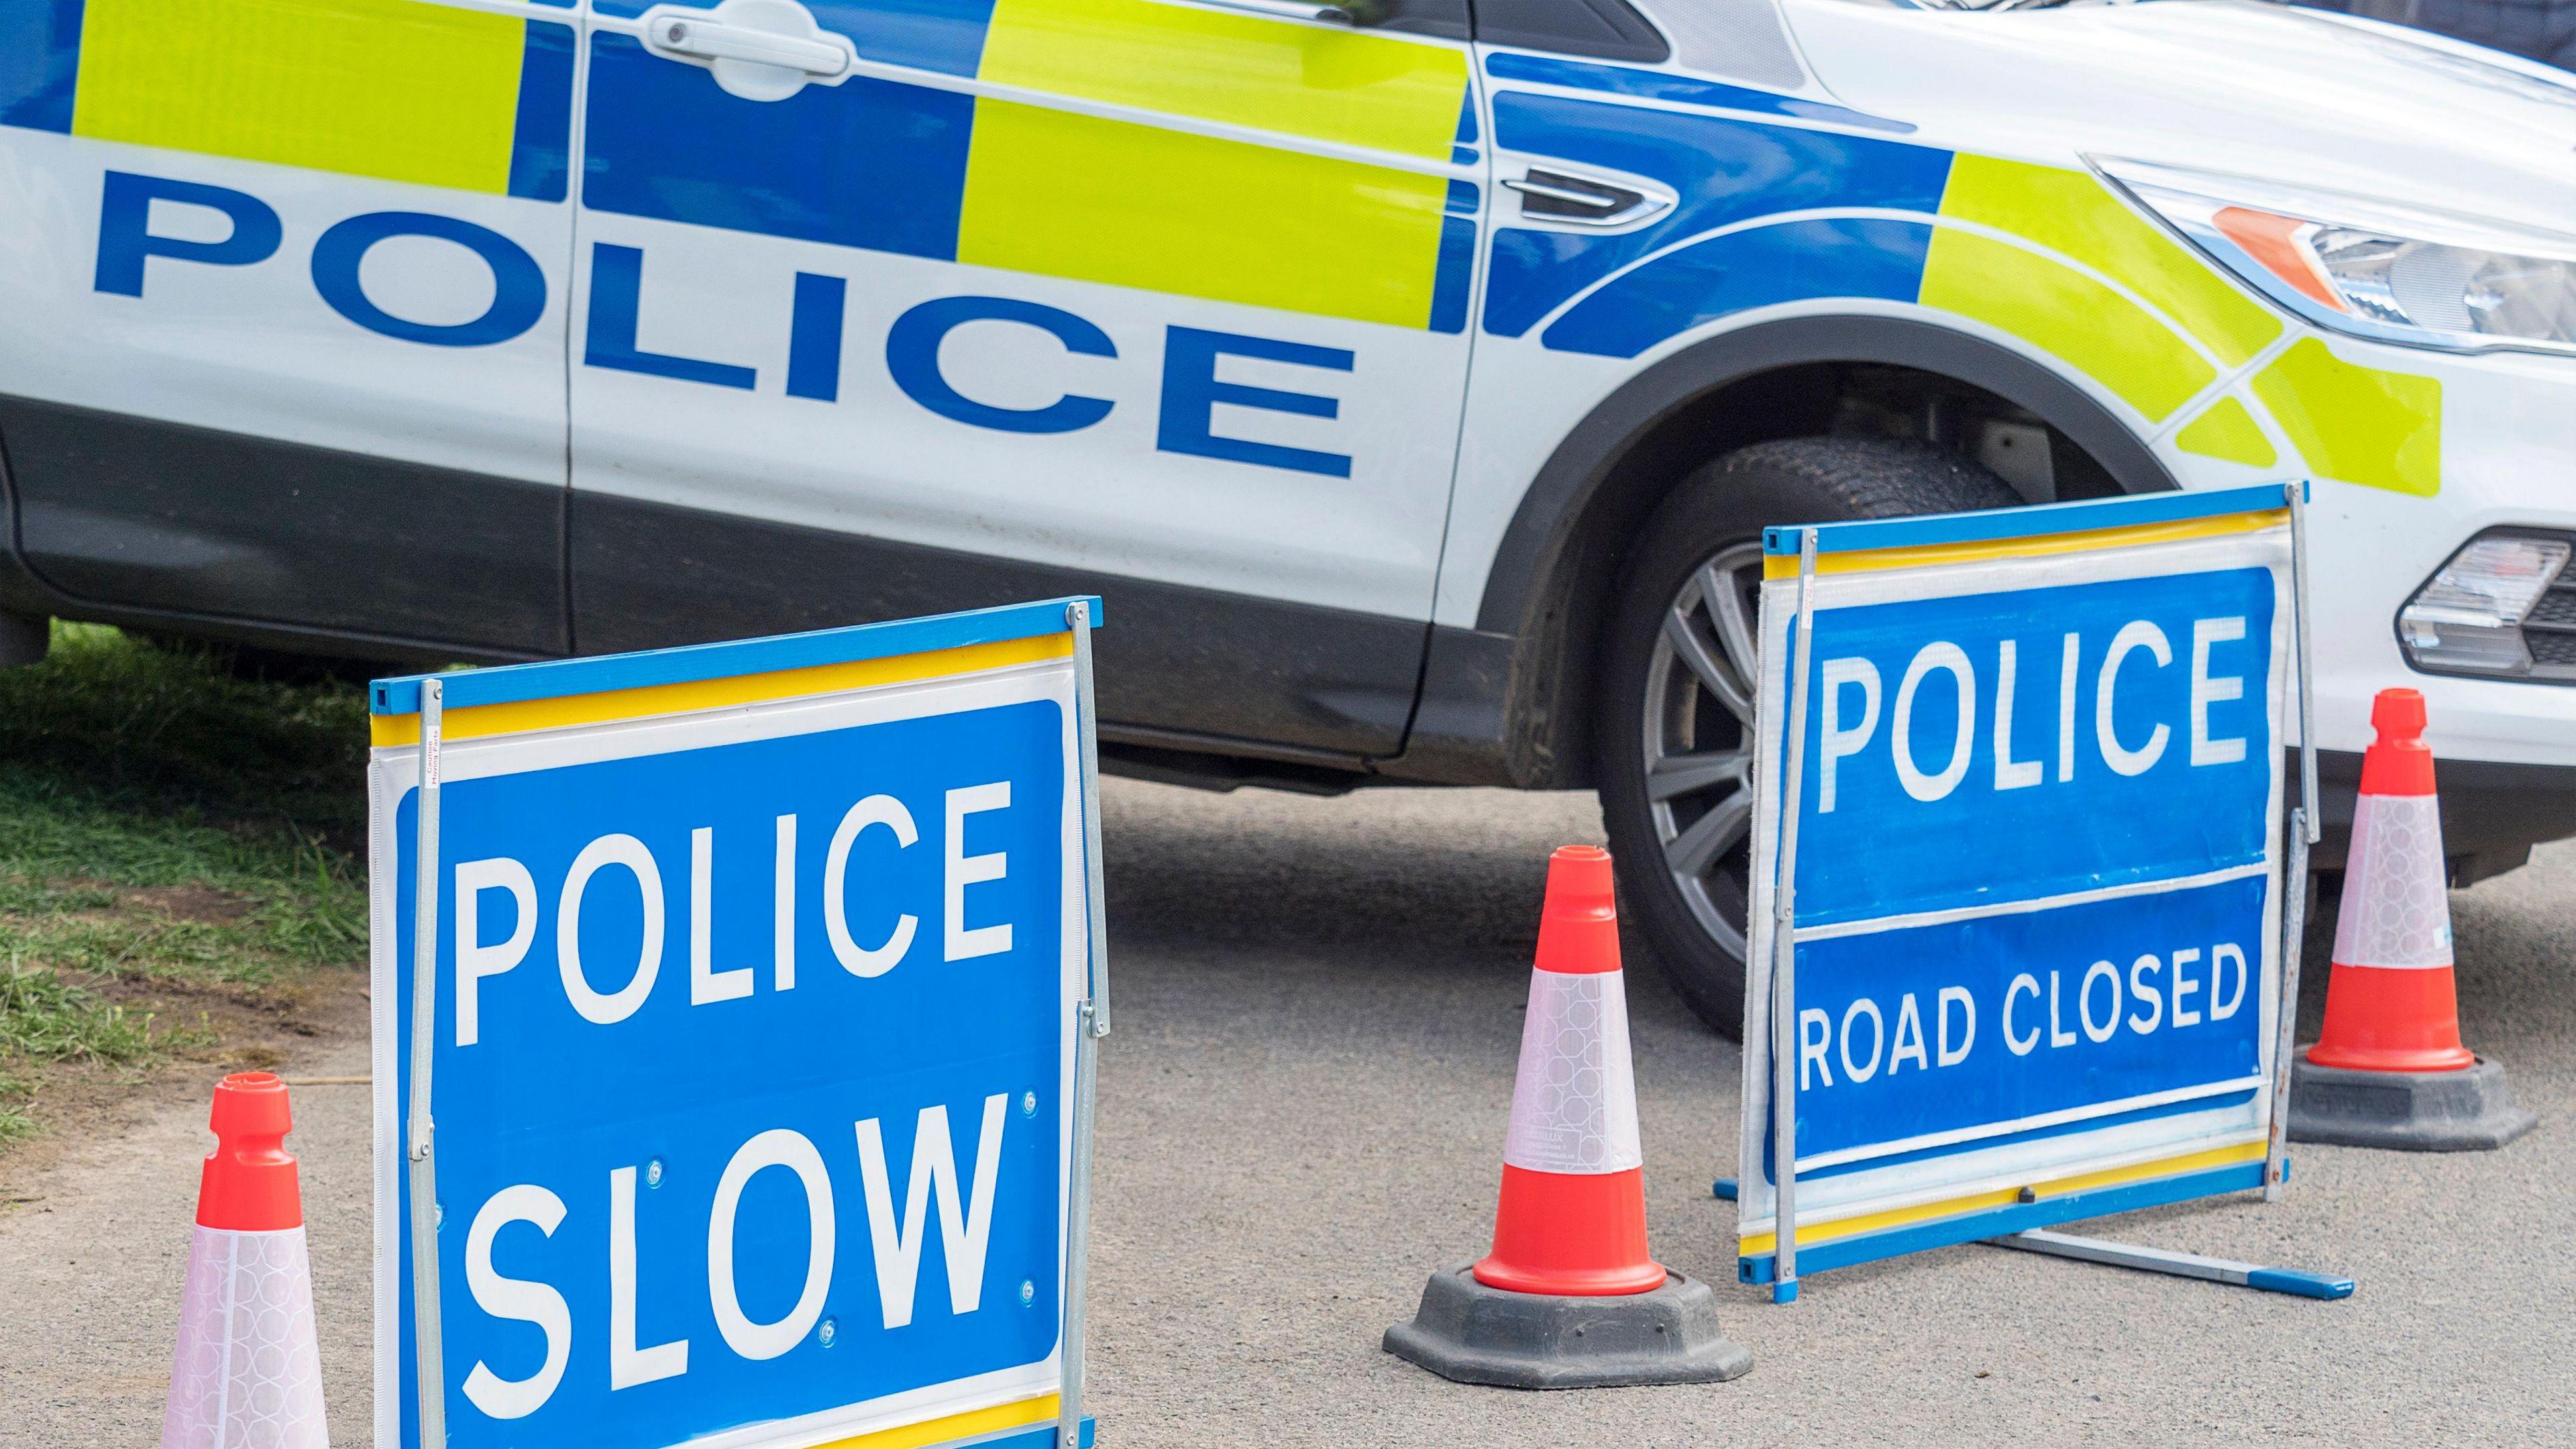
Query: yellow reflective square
{"points": [[1064, 195], [1328, 84], [390, 88]]}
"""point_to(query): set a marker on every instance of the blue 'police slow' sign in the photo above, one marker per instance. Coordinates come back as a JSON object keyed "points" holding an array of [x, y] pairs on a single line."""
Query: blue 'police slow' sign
{"points": [[2033, 881], [752, 1046]]}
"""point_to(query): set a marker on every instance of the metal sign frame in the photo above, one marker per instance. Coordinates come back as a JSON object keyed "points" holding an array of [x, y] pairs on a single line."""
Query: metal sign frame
{"points": [[428, 697], [1771, 997]]}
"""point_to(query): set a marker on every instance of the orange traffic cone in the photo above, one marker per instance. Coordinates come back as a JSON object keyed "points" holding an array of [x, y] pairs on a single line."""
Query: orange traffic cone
{"points": [[248, 1374], [1569, 1297], [1572, 1219], [2388, 1070]]}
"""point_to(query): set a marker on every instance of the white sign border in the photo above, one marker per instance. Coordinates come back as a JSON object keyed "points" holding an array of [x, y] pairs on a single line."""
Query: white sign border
{"points": [[1843, 1195], [393, 775]]}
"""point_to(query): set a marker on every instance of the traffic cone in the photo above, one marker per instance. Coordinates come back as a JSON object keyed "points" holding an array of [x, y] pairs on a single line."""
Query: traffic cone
{"points": [[2388, 1070], [1569, 1297], [248, 1374]]}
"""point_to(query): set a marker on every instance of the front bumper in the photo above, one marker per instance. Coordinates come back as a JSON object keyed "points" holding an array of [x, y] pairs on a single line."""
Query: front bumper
{"points": [[2507, 748]]}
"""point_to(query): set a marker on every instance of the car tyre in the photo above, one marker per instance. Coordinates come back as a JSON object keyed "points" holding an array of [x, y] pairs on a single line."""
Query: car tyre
{"points": [[1672, 736]]}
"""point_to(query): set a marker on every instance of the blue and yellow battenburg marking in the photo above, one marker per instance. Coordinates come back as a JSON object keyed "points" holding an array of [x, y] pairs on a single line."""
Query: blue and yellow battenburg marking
{"points": [[985, 181], [1726, 171], [415, 91], [2047, 254], [1739, 172], [396, 89]]}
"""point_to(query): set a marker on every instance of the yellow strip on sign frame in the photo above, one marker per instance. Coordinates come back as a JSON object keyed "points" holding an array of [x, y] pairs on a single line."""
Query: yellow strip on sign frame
{"points": [[971, 1424], [609, 706], [1754, 1245], [1785, 565]]}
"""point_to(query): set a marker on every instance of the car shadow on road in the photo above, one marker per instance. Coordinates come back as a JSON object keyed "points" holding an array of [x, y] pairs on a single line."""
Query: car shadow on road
{"points": [[1424, 903]]}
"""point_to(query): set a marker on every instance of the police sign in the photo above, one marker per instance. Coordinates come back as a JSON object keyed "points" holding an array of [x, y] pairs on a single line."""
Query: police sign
{"points": [[737, 1091], [2020, 800]]}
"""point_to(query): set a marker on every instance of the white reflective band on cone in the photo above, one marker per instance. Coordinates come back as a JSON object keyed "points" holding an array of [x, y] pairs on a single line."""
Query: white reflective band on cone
{"points": [[1574, 1109], [2396, 901], [247, 1375]]}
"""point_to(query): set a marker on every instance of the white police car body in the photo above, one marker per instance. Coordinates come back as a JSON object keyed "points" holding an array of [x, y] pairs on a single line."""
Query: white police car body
{"points": [[1411, 379]]}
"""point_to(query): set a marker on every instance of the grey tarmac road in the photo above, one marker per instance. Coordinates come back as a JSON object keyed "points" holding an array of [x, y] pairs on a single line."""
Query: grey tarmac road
{"points": [[1302, 1113]]}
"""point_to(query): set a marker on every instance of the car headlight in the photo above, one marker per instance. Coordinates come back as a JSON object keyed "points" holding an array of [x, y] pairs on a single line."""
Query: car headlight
{"points": [[2494, 610], [2392, 274]]}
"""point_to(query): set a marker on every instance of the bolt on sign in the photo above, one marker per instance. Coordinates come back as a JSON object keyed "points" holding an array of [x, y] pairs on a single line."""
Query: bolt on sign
{"points": [[2017, 943], [737, 1091]]}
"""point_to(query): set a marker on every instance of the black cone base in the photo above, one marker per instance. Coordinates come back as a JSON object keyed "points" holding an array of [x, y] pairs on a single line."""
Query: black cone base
{"points": [[1479, 1335], [2463, 1111]]}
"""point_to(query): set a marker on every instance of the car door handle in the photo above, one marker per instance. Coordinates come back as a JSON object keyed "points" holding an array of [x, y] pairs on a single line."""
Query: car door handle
{"points": [[715, 40], [1555, 196], [1287, 10]]}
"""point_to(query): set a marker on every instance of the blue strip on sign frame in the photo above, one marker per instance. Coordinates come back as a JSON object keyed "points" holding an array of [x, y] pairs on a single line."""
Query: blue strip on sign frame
{"points": [[2036, 872], [692, 663], [759, 983], [2082, 515]]}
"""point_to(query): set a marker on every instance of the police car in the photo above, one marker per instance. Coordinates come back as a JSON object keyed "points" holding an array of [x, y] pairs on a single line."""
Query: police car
{"points": [[1413, 377]]}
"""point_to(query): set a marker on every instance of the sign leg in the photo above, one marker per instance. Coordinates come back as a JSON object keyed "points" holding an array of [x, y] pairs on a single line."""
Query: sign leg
{"points": [[2285, 1036], [2295, 1281], [1091, 1023], [1077, 1268], [424, 1035], [1784, 949]]}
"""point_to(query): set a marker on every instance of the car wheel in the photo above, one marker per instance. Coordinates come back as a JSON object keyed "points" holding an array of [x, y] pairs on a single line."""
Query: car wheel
{"points": [[1674, 728]]}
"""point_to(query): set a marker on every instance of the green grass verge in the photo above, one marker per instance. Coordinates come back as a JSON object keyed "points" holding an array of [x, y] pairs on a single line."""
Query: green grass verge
{"points": [[14, 1121], [162, 820]]}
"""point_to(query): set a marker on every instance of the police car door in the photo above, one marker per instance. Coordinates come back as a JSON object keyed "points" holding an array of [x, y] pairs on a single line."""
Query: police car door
{"points": [[906, 304], [284, 310]]}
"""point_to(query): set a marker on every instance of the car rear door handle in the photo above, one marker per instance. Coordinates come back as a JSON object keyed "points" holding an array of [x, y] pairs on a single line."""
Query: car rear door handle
{"points": [[715, 40], [1288, 10], [1555, 196]]}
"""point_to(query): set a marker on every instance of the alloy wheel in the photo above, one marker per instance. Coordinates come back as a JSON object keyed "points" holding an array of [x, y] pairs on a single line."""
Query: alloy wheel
{"points": [[1701, 682]]}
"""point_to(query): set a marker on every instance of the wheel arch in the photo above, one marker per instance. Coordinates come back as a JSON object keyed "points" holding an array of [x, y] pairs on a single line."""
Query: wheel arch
{"points": [[1551, 574]]}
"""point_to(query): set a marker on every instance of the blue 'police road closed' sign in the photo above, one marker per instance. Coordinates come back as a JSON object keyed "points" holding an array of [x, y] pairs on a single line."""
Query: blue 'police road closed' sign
{"points": [[752, 1062], [2033, 887]]}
